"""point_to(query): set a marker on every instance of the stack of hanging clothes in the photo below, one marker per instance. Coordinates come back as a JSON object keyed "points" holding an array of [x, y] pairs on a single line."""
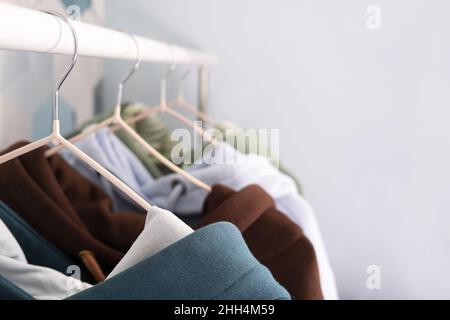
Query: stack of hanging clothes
{"points": [[67, 233]]}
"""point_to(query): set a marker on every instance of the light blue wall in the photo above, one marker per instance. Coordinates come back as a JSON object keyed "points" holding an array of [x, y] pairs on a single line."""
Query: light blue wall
{"points": [[363, 116]]}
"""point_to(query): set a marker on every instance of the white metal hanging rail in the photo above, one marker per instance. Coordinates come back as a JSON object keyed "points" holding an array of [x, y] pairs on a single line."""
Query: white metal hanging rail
{"points": [[30, 30]]}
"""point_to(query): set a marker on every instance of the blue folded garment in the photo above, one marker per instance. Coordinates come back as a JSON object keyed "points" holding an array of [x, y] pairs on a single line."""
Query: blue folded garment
{"points": [[9, 291], [212, 263]]}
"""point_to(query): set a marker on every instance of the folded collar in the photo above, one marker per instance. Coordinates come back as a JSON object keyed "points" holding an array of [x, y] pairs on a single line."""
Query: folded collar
{"points": [[241, 208]]}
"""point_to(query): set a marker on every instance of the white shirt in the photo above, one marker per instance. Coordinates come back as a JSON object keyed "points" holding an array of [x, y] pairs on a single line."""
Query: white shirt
{"points": [[39, 282], [162, 228]]}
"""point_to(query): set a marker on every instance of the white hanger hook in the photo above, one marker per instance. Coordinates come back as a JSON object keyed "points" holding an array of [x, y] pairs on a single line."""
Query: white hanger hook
{"points": [[171, 68], [182, 82], [136, 65], [69, 68]]}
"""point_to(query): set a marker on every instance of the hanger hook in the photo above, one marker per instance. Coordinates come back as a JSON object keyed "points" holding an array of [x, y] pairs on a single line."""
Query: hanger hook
{"points": [[136, 65], [171, 68], [70, 67], [182, 82]]}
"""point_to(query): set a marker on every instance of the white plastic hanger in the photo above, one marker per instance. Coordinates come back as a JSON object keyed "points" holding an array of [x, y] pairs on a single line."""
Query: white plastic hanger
{"points": [[56, 138], [165, 108], [181, 102], [116, 119]]}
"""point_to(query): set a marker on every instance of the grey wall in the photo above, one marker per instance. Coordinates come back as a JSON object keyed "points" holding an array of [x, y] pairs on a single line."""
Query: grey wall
{"points": [[363, 116]]}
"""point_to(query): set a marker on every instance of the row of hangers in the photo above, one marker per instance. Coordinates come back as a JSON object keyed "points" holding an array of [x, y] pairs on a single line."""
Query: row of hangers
{"points": [[116, 122]]}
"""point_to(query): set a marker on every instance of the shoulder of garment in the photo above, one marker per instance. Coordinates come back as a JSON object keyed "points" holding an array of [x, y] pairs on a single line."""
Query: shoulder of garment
{"points": [[211, 263], [273, 238]]}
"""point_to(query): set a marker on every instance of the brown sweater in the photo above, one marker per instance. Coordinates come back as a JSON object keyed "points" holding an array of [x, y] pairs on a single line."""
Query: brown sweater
{"points": [[274, 240], [66, 208]]}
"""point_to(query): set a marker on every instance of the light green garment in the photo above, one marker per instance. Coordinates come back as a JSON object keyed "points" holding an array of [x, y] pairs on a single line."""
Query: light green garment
{"points": [[152, 129]]}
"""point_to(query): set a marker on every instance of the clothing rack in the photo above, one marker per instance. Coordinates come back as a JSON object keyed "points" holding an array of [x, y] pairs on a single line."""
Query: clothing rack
{"points": [[31, 30]]}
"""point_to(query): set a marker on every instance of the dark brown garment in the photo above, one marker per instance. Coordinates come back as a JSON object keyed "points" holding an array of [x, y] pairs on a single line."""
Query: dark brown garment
{"points": [[66, 208], [274, 240]]}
